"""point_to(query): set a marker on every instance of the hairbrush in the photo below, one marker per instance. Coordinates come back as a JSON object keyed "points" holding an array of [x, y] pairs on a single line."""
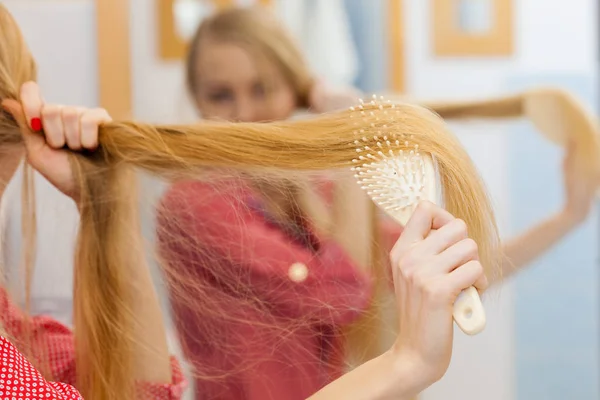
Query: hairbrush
{"points": [[397, 176]]}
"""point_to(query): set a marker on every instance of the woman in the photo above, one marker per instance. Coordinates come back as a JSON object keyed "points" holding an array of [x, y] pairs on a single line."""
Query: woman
{"points": [[433, 261], [279, 243], [243, 66], [118, 326]]}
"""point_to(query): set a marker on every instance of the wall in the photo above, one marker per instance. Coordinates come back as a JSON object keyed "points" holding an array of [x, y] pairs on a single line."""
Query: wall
{"points": [[553, 37], [557, 299], [158, 86], [61, 35], [370, 35]]}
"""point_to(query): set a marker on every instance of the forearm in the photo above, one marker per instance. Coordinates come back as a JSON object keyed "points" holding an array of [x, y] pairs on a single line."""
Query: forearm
{"points": [[386, 377], [523, 249]]}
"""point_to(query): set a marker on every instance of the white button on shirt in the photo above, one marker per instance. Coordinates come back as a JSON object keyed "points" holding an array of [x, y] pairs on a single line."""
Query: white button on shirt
{"points": [[298, 272]]}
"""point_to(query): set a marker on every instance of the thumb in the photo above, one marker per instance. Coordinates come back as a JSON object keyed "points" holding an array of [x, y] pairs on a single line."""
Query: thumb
{"points": [[34, 142]]}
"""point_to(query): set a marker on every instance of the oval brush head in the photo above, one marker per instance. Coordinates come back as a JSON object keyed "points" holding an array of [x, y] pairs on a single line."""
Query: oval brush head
{"points": [[396, 180], [397, 176]]}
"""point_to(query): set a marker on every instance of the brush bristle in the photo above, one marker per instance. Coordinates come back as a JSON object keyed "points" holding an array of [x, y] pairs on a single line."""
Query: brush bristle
{"points": [[388, 167]]}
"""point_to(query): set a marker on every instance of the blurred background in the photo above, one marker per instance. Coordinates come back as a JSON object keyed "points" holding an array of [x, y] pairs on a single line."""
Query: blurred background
{"points": [[543, 331]]}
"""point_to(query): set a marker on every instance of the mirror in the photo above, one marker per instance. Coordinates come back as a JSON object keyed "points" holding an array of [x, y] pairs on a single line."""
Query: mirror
{"points": [[178, 20], [472, 27], [475, 16]]}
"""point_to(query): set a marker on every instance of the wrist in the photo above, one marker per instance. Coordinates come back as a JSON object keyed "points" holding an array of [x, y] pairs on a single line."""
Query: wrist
{"points": [[409, 375]]}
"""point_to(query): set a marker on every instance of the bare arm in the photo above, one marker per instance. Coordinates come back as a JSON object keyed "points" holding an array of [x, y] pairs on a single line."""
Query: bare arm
{"points": [[386, 377], [580, 192], [526, 247]]}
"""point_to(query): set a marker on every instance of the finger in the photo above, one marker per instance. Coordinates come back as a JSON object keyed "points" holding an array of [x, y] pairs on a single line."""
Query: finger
{"points": [[32, 140], [90, 122], [39, 154], [461, 253], [53, 125], [14, 108], [32, 101], [467, 275], [70, 120], [427, 216], [445, 237]]}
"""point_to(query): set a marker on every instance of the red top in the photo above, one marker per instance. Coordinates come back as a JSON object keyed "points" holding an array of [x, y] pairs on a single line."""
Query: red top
{"points": [[19, 380], [54, 342], [263, 304]]}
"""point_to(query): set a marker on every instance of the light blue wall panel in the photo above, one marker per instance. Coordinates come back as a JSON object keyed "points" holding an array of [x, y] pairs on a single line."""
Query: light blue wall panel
{"points": [[557, 313], [369, 31]]}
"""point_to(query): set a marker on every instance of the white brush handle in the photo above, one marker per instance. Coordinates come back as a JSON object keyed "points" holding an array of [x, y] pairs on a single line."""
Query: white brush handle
{"points": [[469, 313]]}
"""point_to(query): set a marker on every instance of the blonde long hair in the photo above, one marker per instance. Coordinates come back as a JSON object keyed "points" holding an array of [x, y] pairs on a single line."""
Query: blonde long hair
{"points": [[557, 114], [103, 317]]}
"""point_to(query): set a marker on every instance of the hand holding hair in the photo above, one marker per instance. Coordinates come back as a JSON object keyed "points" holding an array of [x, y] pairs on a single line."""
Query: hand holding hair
{"points": [[75, 128]]}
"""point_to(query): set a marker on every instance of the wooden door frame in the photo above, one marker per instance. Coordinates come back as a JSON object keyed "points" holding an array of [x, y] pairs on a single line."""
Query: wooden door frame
{"points": [[114, 57], [172, 47], [397, 59]]}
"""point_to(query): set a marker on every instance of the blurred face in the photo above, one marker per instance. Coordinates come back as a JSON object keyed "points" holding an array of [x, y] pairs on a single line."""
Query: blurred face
{"points": [[229, 86]]}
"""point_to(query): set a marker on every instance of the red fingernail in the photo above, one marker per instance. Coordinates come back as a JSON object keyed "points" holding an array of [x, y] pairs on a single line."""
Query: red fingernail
{"points": [[36, 124]]}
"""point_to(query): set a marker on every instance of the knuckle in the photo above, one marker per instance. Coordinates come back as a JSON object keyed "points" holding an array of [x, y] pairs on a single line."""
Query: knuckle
{"points": [[99, 110], [485, 283], [414, 278], [476, 269], [407, 274], [419, 280], [101, 114], [51, 111], [408, 260], [69, 113], [461, 226], [55, 141], [470, 246], [88, 120], [435, 292], [29, 85], [425, 207]]}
